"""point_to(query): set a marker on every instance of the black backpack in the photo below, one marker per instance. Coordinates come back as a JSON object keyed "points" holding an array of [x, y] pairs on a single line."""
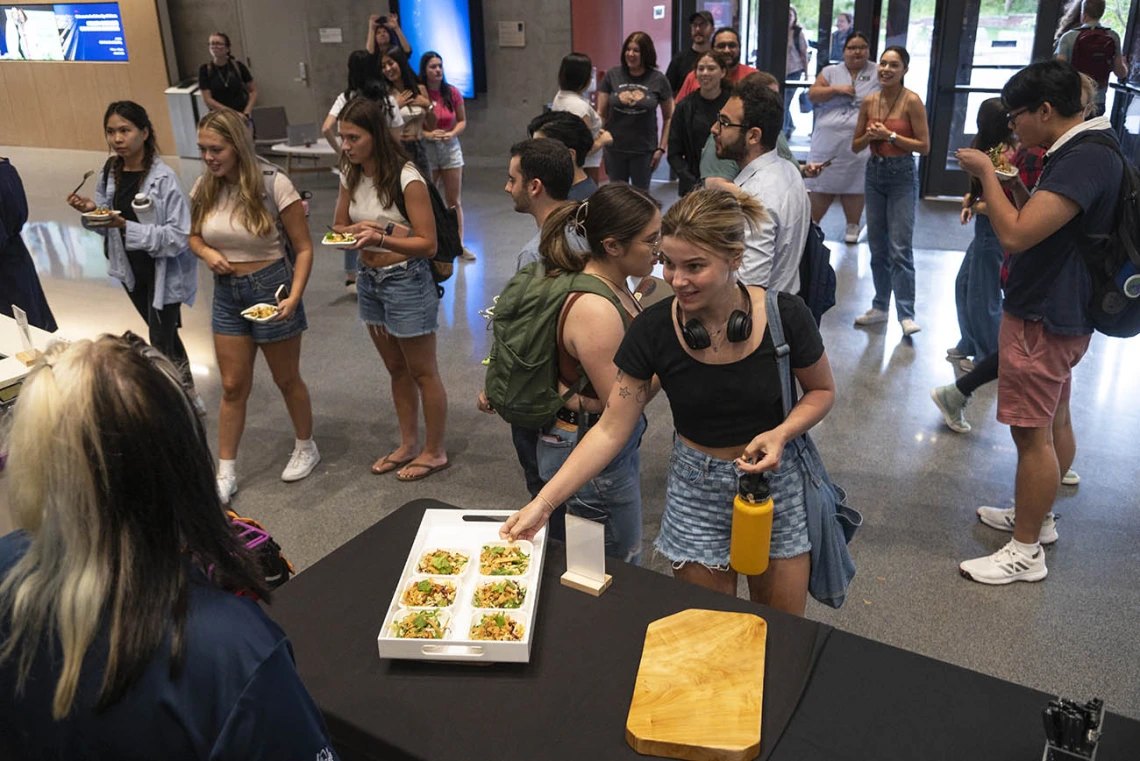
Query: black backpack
{"points": [[448, 244], [817, 278], [1110, 310]]}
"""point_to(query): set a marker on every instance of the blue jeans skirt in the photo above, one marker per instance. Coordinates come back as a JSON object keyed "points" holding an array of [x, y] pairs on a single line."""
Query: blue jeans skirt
{"points": [[446, 154], [697, 524], [402, 298], [235, 293], [612, 498]]}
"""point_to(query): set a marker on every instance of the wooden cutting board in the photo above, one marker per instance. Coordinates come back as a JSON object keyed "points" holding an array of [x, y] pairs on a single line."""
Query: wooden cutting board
{"points": [[700, 687]]}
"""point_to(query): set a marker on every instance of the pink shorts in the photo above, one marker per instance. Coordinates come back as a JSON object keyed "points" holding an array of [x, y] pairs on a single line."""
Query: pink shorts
{"points": [[1035, 371]]}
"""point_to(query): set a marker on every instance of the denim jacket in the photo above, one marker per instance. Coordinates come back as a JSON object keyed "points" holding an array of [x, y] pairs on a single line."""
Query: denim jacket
{"points": [[175, 266]]}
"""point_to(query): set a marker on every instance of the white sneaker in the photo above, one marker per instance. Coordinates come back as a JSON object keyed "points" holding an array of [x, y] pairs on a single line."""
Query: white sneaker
{"points": [[852, 235], [872, 317], [1002, 519], [952, 403], [227, 488], [467, 255], [1005, 566], [301, 463], [909, 327], [966, 365], [953, 354], [1071, 478], [350, 286]]}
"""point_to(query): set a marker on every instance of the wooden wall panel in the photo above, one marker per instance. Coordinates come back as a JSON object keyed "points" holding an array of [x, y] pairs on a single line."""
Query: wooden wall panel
{"points": [[60, 104]]}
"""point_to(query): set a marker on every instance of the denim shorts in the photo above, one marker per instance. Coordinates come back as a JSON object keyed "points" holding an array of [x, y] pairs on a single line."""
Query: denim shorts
{"points": [[612, 498], [234, 293], [697, 524], [402, 298], [443, 155]]}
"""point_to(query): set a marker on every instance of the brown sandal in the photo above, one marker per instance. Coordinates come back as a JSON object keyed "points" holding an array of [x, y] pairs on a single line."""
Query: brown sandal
{"points": [[428, 470], [379, 468]]}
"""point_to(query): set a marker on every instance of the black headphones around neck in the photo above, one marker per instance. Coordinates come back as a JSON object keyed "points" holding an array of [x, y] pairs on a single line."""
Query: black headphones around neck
{"points": [[739, 327]]}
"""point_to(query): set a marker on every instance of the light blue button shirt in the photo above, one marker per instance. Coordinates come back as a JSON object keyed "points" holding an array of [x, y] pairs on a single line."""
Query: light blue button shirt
{"points": [[772, 253]]}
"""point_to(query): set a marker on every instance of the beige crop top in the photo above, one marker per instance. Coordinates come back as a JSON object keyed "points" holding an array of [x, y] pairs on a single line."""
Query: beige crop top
{"points": [[221, 231]]}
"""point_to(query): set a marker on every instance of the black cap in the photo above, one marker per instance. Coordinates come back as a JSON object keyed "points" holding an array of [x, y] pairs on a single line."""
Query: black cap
{"points": [[703, 16], [753, 487]]}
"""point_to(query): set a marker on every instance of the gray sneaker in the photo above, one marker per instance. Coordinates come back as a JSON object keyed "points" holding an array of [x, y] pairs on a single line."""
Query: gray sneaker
{"points": [[952, 403]]}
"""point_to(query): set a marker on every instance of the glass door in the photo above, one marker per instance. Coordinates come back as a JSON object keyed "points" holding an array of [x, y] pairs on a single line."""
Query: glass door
{"points": [[977, 46], [1124, 97]]}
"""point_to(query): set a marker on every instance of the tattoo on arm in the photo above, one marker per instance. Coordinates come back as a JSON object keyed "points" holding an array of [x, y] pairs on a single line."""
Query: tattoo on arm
{"points": [[623, 392], [643, 392], [620, 376]]}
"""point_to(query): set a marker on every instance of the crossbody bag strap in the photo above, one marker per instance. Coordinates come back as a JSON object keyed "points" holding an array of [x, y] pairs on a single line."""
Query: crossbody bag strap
{"points": [[783, 360]]}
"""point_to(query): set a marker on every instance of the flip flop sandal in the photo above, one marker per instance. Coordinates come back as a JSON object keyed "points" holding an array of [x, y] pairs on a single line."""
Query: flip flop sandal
{"points": [[428, 470], [396, 465]]}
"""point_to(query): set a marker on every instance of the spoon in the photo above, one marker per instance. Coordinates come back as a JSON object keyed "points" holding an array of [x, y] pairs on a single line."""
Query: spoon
{"points": [[86, 176], [277, 295]]}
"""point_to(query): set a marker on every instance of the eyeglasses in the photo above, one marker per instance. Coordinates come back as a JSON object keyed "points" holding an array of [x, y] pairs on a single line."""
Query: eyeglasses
{"points": [[723, 122], [1011, 117], [654, 244]]}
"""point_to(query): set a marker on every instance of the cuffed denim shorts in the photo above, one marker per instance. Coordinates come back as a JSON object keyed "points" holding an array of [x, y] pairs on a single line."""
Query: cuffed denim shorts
{"points": [[697, 524], [443, 155], [235, 293], [402, 298]]}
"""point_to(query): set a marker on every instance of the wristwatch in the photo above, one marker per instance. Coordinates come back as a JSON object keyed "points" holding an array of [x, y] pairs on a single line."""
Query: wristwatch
{"points": [[893, 137]]}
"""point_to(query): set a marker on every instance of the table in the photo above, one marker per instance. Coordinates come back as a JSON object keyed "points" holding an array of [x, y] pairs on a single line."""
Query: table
{"points": [[12, 370], [827, 694], [314, 152]]}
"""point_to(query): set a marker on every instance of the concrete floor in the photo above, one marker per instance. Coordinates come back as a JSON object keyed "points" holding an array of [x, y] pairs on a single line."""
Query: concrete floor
{"points": [[916, 482]]}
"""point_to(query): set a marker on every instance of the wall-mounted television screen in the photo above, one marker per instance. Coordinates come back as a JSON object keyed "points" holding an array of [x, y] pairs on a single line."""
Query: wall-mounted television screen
{"points": [[71, 32], [449, 28]]}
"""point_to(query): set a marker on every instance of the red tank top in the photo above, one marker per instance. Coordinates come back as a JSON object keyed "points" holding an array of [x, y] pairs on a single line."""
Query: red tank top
{"points": [[902, 127]]}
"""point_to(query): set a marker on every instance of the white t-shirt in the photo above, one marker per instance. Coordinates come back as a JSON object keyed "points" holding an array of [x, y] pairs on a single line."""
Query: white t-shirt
{"points": [[395, 118], [223, 232], [572, 102], [365, 203]]}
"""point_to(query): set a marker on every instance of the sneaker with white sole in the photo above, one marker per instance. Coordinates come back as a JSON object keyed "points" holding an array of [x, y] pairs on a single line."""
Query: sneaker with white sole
{"points": [[1005, 566], [909, 327], [966, 365], [227, 488], [953, 354], [1071, 478], [852, 234], [467, 255], [1001, 518], [952, 404], [350, 286], [301, 463], [872, 317]]}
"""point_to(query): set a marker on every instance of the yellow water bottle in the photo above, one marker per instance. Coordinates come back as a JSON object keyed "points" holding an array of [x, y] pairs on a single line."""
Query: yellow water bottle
{"points": [[751, 525]]}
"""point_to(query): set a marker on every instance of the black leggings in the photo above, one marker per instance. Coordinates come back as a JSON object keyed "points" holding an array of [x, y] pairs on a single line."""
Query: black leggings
{"points": [[984, 371], [162, 324]]}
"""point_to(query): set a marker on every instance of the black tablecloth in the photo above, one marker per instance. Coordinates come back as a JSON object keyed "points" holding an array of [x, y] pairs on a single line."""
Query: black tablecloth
{"points": [[569, 702], [867, 700]]}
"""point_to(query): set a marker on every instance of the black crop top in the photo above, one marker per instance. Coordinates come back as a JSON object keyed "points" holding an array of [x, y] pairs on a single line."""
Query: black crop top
{"points": [[718, 405]]}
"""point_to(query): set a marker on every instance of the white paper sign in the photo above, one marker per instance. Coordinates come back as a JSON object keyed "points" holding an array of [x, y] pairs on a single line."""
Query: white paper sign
{"points": [[22, 323], [512, 34], [585, 548], [658, 11], [331, 34]]}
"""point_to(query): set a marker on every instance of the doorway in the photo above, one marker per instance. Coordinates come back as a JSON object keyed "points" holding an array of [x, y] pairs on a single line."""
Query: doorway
{"points": [[277, 51]]}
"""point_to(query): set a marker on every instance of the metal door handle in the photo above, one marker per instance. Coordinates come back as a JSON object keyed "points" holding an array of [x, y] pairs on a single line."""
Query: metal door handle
{"points": [[303, 68]]}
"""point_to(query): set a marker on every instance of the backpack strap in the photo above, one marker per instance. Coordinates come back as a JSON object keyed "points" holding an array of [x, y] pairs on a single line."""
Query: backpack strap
{"points": [[776, 328]]}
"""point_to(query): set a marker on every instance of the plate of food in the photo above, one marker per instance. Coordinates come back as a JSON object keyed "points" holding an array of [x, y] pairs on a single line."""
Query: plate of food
{"points": [[419, 624], [428, 592], [338, 239], [505, 559], [1002, 167], [504, 594], [499, 627], [260, 313], [100, 215], [442, 562]]}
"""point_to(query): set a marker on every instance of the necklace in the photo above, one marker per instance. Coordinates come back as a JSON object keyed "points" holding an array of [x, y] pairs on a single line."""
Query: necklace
{"points": [[890, 110], [622, 289]]}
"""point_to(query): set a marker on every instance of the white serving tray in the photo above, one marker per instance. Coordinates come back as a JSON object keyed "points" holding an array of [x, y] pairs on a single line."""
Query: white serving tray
{"points": [[466, 531]]}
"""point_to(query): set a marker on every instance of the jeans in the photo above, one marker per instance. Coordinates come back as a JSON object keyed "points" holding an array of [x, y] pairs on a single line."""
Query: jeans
{"points": [[612, 498], [233, 293], [789, 96], [977, 292], [162, 324], [892, 193], [526, 447], [630, 168], [351, 264]]}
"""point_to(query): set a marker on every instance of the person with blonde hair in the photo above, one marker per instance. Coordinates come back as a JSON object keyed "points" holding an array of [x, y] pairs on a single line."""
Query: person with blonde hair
{"points": [[129, 626], [239, 230], [384, 203], [711, 341], [622, 227]]}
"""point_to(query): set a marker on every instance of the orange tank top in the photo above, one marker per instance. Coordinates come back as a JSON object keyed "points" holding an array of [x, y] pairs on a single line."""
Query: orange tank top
{"points": [[567, 365], [900, 126]]}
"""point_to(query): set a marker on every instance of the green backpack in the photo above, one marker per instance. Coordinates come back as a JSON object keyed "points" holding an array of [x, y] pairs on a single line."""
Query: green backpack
{"points": [[522, 369]]}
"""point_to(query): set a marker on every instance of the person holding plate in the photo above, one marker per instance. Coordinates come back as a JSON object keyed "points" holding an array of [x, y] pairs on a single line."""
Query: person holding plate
{"points": [[241, 240]]}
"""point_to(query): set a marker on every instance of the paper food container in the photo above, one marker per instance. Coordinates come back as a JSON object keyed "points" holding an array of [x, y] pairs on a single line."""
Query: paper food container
{"points": [[447, 549]]}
